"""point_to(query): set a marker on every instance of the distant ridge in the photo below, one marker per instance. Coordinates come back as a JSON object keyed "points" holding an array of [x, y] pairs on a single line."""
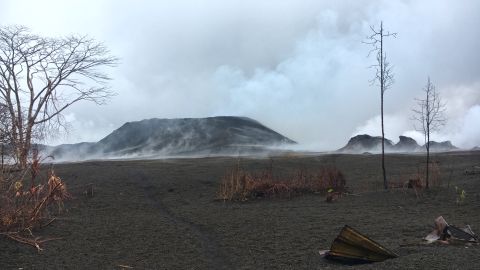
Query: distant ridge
{"points": [[183, 136], [366, 143], [441, 146], [406, 144]]}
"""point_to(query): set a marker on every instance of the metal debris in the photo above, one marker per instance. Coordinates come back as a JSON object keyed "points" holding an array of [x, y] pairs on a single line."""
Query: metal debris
{"points": [[449, 234], [352, 247]]}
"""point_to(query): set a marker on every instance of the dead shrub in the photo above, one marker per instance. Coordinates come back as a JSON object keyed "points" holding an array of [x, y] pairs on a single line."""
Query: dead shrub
{"points": [[434, 175], [25, 208], [241, 185], [419, 181]]}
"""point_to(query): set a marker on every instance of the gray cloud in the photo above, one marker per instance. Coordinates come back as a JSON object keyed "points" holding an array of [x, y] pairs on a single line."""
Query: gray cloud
{"points": [[296, 66]]}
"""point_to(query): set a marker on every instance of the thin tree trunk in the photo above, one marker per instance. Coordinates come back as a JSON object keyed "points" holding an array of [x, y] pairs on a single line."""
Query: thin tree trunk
{"points": [[428, 158], [3, 155], [26, 147], [385, 184], [428, 109], [382, 85]]}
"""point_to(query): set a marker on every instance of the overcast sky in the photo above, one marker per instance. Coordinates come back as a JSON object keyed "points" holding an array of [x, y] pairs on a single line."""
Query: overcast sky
{"points": [[298, 67]]}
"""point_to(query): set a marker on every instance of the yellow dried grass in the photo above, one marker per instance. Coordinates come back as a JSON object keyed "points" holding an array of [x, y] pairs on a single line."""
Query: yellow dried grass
{"points": [[241, 185], [24, 209]]}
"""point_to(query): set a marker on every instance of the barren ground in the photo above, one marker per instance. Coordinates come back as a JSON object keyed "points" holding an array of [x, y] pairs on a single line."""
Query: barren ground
{"points": [[161, 214]]}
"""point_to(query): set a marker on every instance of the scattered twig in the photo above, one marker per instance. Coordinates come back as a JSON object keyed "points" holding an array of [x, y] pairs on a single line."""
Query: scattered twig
{"points": [[125, 266]]}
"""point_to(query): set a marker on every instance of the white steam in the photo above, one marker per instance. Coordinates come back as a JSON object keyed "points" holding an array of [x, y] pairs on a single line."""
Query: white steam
{"points": [[299, 67], [462, 114]]}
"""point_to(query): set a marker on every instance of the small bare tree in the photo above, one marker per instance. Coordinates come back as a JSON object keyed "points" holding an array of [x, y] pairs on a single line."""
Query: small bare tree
{"points": [[40, 77], [383, 76], [430, 117]]}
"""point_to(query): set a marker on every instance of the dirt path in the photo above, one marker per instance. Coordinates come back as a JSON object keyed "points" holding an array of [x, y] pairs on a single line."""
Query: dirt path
{"points": [[210, 247]]}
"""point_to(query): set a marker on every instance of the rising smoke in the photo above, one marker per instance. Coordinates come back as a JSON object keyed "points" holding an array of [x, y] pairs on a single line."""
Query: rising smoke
{"points": [[299, 67]]}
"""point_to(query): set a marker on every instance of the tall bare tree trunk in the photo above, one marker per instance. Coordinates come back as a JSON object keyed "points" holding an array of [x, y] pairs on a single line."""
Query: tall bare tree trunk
{"points": [[428, 135], [382, 90], [25, 151], [428, 161], [3, 155], [385, 184], [383, 76]]}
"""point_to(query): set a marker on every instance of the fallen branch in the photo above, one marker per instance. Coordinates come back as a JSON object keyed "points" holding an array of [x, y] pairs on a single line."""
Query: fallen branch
{"points": [[34, 242]]}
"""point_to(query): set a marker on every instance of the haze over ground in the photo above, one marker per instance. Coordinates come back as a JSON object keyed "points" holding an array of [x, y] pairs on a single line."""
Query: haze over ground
{"points": [[298, 67]]}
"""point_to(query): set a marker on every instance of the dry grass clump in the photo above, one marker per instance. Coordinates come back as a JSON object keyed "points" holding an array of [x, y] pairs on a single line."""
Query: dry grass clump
{"points": [[26, 205], [242, 185], [434, 175], [418, 179]]}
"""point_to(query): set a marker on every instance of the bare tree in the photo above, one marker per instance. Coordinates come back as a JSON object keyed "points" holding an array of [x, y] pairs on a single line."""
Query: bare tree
{"points": [[40, 77], [430, 116], [383, 76]]}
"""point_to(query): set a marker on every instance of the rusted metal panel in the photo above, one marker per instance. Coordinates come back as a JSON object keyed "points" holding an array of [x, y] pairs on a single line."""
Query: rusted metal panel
{"points": [[353, 247]]}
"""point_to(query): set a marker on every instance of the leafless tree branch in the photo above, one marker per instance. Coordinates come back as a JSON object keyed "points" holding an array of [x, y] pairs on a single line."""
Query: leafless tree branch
{"points": [[40, 77], [429, 116], [384, 76]]}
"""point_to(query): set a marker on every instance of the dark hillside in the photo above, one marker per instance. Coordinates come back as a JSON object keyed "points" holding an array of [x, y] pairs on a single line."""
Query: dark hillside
{"points": [[185, 136]]}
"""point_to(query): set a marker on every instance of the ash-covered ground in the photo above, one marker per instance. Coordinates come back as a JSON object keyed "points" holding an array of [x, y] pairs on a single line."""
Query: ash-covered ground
{"points": [[162, 214]]}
